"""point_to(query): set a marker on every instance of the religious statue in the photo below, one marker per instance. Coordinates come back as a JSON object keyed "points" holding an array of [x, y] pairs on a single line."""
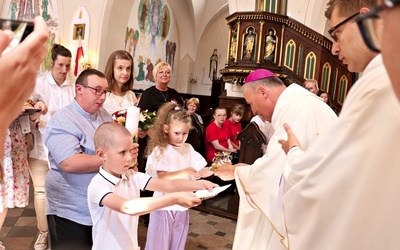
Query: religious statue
{"points": [[270, 42], [248, 48], [232, 50], [212, 73]]}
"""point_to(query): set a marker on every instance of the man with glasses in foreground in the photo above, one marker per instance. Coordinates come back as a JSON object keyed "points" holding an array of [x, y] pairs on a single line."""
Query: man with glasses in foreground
{"points": [[73, 162], [389, 12], [342, 192]]}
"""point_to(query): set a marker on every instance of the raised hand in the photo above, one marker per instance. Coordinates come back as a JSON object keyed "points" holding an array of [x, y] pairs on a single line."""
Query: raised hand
{"points": [[292, 140]]}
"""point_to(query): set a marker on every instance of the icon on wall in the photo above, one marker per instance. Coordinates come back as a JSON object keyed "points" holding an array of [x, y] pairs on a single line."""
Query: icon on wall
{"points": [[79, 31]]}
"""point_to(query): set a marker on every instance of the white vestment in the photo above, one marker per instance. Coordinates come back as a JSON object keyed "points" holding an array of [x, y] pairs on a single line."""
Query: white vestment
{"points": [[343, 192], [261, 225]]}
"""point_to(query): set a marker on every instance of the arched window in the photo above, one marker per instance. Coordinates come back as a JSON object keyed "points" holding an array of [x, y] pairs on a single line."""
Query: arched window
{"points": [[289, 55], [326, 77], [332, 89], [311, 61], [299, 60], [342, 89]]}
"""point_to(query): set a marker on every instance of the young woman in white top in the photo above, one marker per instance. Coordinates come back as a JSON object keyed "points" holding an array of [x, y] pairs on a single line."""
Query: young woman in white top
{"points": [[56, 90], [120, 82]]}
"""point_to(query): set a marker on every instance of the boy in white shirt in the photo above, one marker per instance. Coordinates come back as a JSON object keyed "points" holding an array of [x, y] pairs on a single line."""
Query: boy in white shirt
{"points": [[114, 193]]}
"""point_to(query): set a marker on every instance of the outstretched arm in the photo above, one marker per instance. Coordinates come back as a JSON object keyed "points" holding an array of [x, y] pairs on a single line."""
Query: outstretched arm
{"points": [[179, 174], [227, 171], [169, 186], [146, 205]]}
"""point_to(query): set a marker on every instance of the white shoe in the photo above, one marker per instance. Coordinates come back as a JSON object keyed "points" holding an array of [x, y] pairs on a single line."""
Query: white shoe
{"points": [[41, 242]]}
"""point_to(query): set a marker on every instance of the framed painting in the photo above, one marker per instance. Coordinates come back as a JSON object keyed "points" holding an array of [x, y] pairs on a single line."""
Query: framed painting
{"points": [[79, 31]]}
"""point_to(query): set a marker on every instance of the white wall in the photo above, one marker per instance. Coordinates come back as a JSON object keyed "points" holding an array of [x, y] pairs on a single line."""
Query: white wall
{"points": [[309, 12], [241, 5], [214, 37]]}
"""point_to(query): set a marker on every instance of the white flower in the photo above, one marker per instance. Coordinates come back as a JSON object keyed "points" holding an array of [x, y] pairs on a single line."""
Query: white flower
{"points": [[142, 118]]}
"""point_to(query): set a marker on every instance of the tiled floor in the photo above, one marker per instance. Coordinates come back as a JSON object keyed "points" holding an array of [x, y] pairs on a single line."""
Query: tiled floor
{"points": [[206, 231]]}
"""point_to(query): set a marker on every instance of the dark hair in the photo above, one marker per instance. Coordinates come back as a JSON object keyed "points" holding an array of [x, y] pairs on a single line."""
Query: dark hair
{"points": [[348, 7], [320, 92], [59, 50], [83, 76], [109, 71]]}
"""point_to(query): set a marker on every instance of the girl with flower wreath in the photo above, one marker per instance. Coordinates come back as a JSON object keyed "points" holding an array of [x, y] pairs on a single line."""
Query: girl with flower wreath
{"points": [[171, 158]]}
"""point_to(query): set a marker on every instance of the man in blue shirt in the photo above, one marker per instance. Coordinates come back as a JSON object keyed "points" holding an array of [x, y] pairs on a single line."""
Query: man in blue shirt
{"points": [[73, 162]]}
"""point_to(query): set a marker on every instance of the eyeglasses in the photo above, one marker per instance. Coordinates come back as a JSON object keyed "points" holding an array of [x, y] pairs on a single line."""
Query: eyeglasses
{"points": [[332, 30], [99, 92], [366, 24]]}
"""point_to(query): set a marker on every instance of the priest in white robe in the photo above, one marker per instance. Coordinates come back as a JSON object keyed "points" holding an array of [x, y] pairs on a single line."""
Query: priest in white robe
{"points": [[260, 219], [343, 192]]}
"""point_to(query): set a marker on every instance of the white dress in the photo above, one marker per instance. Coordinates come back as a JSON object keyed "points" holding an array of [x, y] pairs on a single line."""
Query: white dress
{"points": [[7, 186], [116, 103], [173, 160]]}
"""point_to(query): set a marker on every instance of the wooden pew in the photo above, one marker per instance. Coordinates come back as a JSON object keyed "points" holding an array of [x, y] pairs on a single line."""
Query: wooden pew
{"points": [[196, 136]]}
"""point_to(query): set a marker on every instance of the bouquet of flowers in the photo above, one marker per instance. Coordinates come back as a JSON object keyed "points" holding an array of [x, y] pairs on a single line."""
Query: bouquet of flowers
{"points": [[146, 118]]}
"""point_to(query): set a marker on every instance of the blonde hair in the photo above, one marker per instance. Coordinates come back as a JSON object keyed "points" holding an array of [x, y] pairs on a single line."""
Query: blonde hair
{"points": [[312, 81], [161, 65], [168, 113], [107, 133], [194, 101]]}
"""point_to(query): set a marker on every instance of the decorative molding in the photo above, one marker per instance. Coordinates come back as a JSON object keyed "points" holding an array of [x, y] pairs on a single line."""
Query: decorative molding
{"points": [[285, 20]]}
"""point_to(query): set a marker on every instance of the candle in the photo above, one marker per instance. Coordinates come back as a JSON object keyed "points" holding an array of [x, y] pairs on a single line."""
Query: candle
{"points": [[132, 120]]}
